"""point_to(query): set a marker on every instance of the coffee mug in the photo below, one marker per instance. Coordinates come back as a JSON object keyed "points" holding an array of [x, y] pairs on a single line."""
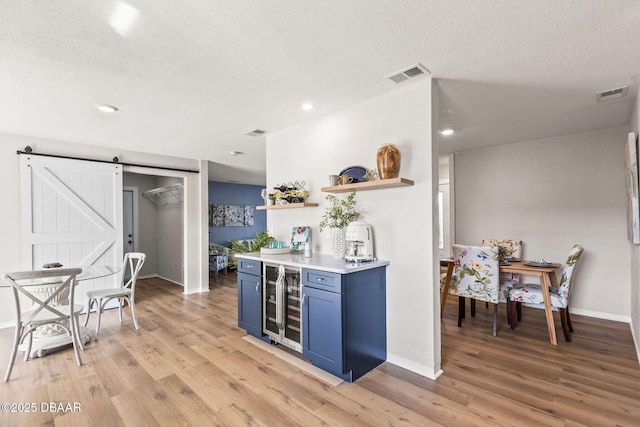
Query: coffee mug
{"points": [[346, 179], [334, 180]]}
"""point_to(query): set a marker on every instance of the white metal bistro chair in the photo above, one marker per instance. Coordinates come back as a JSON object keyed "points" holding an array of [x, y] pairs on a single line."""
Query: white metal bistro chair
{"points": [[51, 293], [132, 264]]}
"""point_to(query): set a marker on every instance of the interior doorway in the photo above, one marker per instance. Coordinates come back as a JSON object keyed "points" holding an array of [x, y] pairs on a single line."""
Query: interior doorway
{"points": [[444, 243], [130, 219], [154, 225]]}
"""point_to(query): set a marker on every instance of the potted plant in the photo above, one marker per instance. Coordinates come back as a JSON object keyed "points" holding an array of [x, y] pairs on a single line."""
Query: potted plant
{"points": [[261, 240], [271, 199], [503, 253], [336, 217]]}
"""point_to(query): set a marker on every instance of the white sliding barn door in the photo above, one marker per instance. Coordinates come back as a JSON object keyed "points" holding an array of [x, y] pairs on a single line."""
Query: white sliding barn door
{"points": [[72, 214]]}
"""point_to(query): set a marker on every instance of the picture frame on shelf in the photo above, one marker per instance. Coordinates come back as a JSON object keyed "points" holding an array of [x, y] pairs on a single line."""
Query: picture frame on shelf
{"points": [[299, 238]]}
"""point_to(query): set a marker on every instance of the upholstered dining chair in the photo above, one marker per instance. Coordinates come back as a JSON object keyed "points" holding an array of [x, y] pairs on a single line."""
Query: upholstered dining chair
{"points": [[512, 249], [531, 294], [132, 264], [477, 276], [51, 293]]}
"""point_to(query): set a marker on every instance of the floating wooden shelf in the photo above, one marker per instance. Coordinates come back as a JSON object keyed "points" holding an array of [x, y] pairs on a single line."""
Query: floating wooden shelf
{"points": [[288, 206], [368, 185]]}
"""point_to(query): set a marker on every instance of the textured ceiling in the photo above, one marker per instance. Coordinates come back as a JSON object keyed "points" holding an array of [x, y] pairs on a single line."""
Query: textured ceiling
{"points": [[192, 77]]}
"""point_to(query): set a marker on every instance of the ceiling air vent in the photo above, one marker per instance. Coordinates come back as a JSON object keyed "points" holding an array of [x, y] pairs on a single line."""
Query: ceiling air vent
{"points": [[410, 73], [610, 95], [257, 132]]}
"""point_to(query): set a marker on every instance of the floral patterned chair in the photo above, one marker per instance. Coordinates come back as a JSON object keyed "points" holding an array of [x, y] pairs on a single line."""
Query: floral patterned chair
{"points": [[510, 249], [477, 276], [218, 260], [532, 294]]}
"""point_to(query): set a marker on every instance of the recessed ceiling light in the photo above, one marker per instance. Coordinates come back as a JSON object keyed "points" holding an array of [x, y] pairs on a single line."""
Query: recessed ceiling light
{"points": [[307, 106], [123, 17], [446, 132], [105, 108], [235, 153]]}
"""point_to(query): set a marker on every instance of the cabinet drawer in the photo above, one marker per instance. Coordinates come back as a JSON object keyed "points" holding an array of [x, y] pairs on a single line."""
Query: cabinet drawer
{"points": [[249, 266], [322, 280]]}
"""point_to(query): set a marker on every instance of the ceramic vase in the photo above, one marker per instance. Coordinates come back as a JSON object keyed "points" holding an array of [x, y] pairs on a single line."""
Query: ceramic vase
{"points": [[337, 241], [388, 159]]}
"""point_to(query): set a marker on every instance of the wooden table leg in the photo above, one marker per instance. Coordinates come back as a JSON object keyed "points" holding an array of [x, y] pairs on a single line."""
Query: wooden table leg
{"points": [[445, 288], [554, 280], [547, 307]]}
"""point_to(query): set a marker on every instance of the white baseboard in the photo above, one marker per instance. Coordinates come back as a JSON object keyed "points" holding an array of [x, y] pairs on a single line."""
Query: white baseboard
{"points": [[7, 325], [600, 315], [198, 291], [412, 366], [635, 341], [589, 313], [168, 280]]}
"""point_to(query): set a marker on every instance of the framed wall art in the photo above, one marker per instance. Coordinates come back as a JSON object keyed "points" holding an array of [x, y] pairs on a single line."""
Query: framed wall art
{"points": [[231, 216]]}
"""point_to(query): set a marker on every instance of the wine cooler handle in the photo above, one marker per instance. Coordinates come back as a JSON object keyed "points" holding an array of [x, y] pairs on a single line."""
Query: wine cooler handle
{"points": [[280, 303]]}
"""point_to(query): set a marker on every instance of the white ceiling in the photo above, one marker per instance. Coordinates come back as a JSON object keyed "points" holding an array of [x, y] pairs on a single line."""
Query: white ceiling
{"points": [[192, 77]]}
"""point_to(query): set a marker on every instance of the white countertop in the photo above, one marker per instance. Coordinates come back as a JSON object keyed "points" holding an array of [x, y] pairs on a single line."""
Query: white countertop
{"points": [[323, 262]]}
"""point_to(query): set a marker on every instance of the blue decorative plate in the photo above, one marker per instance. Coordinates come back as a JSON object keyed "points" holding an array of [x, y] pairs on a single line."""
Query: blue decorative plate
{"points": [[355, 172]]}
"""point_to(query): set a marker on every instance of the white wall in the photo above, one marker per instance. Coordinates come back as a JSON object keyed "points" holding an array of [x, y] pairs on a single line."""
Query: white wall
{"points": [[170, 230], [402, 218], [196, 195], [553, 193], [635, 257]]}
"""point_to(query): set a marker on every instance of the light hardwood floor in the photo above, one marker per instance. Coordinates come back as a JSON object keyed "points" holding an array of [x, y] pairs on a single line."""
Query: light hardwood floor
{"points": [[188, 365]]}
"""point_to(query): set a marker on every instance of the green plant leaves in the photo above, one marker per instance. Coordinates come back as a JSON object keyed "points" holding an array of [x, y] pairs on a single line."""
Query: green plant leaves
{"points": [[341, 212]]}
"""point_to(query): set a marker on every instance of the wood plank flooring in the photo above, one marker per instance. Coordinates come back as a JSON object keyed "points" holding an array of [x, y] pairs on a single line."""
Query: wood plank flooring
{"points": [[188, 365]]}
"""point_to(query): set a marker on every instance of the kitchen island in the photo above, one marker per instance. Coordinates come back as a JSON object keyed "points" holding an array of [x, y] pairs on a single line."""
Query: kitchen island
{"points": [[333, 311]]}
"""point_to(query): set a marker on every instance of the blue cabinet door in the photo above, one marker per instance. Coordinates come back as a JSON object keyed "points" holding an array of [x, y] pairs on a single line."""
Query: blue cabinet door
{"points": [[250, 303], [322, 330]]}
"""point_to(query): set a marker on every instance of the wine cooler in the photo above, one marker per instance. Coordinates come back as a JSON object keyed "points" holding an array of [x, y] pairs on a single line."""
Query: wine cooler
{"points": [[282, 293]]}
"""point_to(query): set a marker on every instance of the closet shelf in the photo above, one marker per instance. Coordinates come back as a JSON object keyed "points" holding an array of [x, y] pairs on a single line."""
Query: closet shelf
{"points": [[167, 195]]}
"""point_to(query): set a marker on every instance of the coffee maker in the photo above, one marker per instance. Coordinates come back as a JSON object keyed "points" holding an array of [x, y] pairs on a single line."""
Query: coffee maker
{"points": [[359, 242]]}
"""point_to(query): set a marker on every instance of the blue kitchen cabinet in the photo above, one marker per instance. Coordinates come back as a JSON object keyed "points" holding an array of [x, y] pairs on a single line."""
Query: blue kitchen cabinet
{"points": [[250, 296], [344, 321]]}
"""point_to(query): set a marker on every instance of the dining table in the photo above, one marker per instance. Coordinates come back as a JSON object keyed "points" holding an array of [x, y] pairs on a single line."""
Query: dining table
{"points": [[50, 338], [545, 272]]}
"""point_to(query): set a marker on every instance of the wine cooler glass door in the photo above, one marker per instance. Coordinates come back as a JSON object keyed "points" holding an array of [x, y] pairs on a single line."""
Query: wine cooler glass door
{"points": [[293, 325], [281, 305], [270, 302]]}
